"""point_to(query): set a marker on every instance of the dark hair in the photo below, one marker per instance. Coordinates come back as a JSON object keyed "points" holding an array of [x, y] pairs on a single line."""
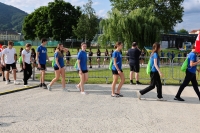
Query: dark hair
{"points": [[156, 47], [134, 44], [117, 44], [21, 49], [43, 40], [33, 50]]}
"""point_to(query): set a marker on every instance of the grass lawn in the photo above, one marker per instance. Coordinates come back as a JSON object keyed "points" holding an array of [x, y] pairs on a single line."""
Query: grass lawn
{"points": [[171, 76]]}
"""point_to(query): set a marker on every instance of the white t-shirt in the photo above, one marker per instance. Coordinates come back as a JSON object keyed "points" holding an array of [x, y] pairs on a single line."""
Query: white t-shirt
{"points": [[10, 54], [27, 55]]}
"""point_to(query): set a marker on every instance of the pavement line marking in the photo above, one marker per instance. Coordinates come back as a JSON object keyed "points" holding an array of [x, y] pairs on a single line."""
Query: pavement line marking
{"points": [[16, 90]]}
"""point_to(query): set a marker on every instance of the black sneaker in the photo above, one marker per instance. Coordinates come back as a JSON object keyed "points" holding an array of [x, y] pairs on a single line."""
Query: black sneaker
{"points": [[8, 80], [40, 85], [131, 83], [4, 79], [44, 86], [0, 74], [138, 83], [179, 99]]}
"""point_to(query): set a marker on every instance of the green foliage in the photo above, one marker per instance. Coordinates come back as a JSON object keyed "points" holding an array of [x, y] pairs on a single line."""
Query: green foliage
{"points": [[11, 18], [169, 12], [55, 20], [87, 23], [183, 31], [139, 25]]}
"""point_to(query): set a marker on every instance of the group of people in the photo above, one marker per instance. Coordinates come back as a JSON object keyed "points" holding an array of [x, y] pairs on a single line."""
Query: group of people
{"points": [[8, 60]]}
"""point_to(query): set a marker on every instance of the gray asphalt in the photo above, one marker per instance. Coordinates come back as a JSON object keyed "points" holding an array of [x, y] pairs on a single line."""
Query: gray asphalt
{"points": [[40, 111]]}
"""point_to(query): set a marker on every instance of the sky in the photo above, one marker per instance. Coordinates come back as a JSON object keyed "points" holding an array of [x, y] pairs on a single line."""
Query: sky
{"points": [[191, 17]]}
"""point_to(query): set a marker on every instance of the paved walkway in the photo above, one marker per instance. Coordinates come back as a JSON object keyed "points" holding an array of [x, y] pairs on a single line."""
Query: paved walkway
{"points": [[38, 110]]}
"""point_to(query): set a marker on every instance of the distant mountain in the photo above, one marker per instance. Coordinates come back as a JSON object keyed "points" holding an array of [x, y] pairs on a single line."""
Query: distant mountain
{"points": [[11, 18]]}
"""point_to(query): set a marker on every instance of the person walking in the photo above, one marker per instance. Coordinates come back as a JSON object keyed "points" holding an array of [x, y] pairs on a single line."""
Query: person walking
{"points": [[98, 57], [190, 75], [26, 64], [154, 74], [10, 61], [3, 68], [68, 56], [82, 68], [134, 62], [90, 53], [41, 57], [59, 67], [142, 58], [117, 70], [106, 57]]}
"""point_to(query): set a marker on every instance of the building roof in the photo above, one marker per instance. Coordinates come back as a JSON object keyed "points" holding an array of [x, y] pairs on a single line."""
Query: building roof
{"points": [[9, 32], [194, 31]]}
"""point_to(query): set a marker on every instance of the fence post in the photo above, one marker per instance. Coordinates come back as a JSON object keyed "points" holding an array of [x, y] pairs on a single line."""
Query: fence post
{"points": [[33, 70], [106, 80]]}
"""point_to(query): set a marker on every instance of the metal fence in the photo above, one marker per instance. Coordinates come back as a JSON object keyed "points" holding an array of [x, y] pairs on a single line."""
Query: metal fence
{"points": [[170, 68]]}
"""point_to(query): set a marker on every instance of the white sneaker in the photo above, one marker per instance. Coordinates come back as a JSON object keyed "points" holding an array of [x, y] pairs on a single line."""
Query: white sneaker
{"points": [[16, 83], [139, 95], [79, 89], [161, 99], [84, 93], [65, 89], [6, 82], [26, 86], [49, 87]]}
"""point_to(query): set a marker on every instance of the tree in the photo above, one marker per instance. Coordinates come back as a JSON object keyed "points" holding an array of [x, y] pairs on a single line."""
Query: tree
{"points": [[55, 20], [169, 12], [139, 25], [87, 25], [183, 31]]}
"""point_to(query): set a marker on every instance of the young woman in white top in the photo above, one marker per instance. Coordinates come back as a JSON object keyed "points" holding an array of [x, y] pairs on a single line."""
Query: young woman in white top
{"points": [[26, 64]]}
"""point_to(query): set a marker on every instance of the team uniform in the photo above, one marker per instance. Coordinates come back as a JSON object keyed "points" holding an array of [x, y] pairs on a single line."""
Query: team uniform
{"points": [[82, 56], [118, 57], [9, 60], [42, 56], [155, 77], [60, 61]]}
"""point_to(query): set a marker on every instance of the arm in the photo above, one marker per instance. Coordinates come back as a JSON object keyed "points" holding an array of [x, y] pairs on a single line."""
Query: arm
{"points": [[23, 60], [156, 66], [115, 64], [192, 63], [37, 58]]}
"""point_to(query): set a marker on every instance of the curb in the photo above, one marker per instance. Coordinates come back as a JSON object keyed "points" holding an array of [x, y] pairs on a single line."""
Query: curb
{"points": [[17, 90]]}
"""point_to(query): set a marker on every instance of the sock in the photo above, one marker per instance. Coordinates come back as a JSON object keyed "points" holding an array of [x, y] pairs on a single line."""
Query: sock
{"points": [[131, 81]]}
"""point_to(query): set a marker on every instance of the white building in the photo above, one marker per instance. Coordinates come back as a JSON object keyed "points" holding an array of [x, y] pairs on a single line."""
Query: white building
{"points": [[9, 35]]}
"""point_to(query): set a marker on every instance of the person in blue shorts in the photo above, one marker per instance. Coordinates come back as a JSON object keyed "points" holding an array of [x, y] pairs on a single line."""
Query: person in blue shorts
{"points": [[190, 75], [117, 70], [154, 74], [41, 57], [59, 66], [82, 68]]}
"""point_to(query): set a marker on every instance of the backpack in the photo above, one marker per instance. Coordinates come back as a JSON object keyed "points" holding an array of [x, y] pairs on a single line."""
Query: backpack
{"points": [[76, 64], [148, 69], [110, 65], [53, 62], [184, 66]]}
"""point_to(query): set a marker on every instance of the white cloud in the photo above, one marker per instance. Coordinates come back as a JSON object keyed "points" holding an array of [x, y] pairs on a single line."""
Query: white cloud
{"points": [[191, 6], [96, 3], [101, 13]]}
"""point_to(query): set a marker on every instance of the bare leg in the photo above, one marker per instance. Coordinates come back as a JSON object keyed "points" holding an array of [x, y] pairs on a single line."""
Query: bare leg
{"points": [[121, 75], [115, 78]]}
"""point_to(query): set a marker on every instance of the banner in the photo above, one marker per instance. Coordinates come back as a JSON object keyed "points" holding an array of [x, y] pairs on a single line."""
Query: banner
{"points": [[197, 44]]}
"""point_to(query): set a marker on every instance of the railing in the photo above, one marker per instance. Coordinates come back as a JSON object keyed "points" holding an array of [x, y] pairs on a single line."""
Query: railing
{"points": [[170, 68]]}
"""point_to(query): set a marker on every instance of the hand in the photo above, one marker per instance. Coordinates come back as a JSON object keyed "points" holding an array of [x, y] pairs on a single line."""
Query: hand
{"points": [[24, 66], [80, 72], [119, 71], [161, 75], [39, 66]]}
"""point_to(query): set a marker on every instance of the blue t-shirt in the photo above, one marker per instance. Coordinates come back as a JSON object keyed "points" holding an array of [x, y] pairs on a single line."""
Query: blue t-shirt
{"points": [[162, 54], [82, 56], [42, 54], [60, 60], [117, 55], [154, 56], [192, 57]]}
